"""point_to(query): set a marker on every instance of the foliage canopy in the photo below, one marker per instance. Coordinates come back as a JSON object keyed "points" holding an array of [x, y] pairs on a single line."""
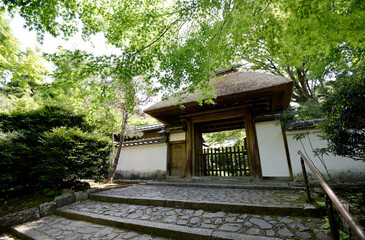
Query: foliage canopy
{"points": [[181, 41]]}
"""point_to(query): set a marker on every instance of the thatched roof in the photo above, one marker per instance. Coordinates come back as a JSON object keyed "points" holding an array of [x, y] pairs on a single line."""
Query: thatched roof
{"points": [[235, 88]]}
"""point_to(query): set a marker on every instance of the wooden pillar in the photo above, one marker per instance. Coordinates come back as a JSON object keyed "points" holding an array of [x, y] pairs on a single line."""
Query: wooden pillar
{"points": [[197, 151], [252, 146], [287, 151], [189, 147], [168, 154]]}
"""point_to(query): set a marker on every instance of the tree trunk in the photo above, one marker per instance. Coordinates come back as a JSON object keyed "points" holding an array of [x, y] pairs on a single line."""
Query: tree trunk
{"points": [[113, 138], [301, 87], [121, 140]]}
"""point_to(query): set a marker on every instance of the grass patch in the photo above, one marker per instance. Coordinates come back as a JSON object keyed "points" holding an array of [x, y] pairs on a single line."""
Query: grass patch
{"points": [[20, 203]]}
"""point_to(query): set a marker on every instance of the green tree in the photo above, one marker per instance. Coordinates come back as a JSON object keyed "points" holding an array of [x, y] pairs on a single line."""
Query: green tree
{"points": [[344, 125], [21, 72], [182, 42], [102, 88]]}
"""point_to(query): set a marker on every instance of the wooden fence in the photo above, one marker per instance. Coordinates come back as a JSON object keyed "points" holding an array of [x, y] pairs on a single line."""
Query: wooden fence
{"points": [[224, 161]]}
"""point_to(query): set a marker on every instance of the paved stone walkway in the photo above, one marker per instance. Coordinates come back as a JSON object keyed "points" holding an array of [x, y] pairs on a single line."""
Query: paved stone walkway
{"points": [[132, 211], [224, 195], [60, 228], [259, 225]]}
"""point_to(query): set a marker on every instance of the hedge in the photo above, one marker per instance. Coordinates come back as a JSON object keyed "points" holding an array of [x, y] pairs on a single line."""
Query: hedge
{"points": [[45, 147]]}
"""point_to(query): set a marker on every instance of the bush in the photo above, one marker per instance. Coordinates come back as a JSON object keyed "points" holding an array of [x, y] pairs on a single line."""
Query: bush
{"points": [[42, 148], [70, 152], [13, 166], [44, 119]]}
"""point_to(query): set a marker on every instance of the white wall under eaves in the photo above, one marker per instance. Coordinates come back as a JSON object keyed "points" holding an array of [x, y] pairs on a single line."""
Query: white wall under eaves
{"points": [[274, 162], [340, 168], [143, 162], [272, 149]]}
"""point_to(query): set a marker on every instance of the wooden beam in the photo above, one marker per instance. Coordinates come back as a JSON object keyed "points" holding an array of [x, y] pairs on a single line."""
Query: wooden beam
{"points": [[224, 121], [215, 116], [224, 125], [252, 146], [177, 142]]}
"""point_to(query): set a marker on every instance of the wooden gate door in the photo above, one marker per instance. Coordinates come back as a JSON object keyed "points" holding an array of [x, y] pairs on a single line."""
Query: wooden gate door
{"points": [[224, 162], [178, 161]]}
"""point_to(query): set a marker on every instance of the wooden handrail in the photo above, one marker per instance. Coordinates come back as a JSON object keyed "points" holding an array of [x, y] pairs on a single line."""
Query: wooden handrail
{"points": [[353, 224]]}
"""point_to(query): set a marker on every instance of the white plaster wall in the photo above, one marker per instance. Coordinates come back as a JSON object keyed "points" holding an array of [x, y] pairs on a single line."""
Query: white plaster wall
{"points": [[143, 159], [340, 168], [177, 136], [272, 150]]}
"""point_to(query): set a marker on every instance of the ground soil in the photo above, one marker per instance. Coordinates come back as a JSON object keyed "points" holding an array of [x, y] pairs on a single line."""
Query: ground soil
{"points": [[18, 203]]}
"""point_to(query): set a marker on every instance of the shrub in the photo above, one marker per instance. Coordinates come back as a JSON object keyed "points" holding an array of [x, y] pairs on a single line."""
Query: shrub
{"points": [[13, 166], [36, 122], [70, 152], [44, 147]]}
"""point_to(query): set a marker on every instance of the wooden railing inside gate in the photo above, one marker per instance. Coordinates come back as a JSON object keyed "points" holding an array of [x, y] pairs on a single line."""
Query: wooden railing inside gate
{"points": [[223, 161]]}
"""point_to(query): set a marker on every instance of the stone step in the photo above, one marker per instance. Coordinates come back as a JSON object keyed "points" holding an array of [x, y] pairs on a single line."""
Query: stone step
{"points": [[194, 224], [229, 183], [56, 227], [287, 202]]}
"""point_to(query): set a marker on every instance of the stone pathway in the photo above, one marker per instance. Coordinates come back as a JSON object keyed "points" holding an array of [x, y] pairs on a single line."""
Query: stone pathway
{"points": [[181, 212], [57, 227], [259, 225], [223, 195]]}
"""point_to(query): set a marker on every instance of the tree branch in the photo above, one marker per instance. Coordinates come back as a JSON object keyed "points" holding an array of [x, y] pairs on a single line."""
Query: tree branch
{"points": [[153, 42], [262, 13]]}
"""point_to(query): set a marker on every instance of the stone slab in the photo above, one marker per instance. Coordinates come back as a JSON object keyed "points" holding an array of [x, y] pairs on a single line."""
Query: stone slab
{"points": [[26, 232], [162, 220], [79, 196], [232, 185], [260, 200], [64, 200], [218, 235], [56, 227], [18, 218], [155, 228], [211, 206], [46, 209]]}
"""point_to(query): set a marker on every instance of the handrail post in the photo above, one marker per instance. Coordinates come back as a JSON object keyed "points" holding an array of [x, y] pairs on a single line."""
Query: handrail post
{"points": [[309, 199], [331, 196], [331, 218]]}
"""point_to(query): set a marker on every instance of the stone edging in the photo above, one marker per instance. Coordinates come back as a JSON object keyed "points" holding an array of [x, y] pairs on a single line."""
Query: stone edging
{"points": [[48, 208]]}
